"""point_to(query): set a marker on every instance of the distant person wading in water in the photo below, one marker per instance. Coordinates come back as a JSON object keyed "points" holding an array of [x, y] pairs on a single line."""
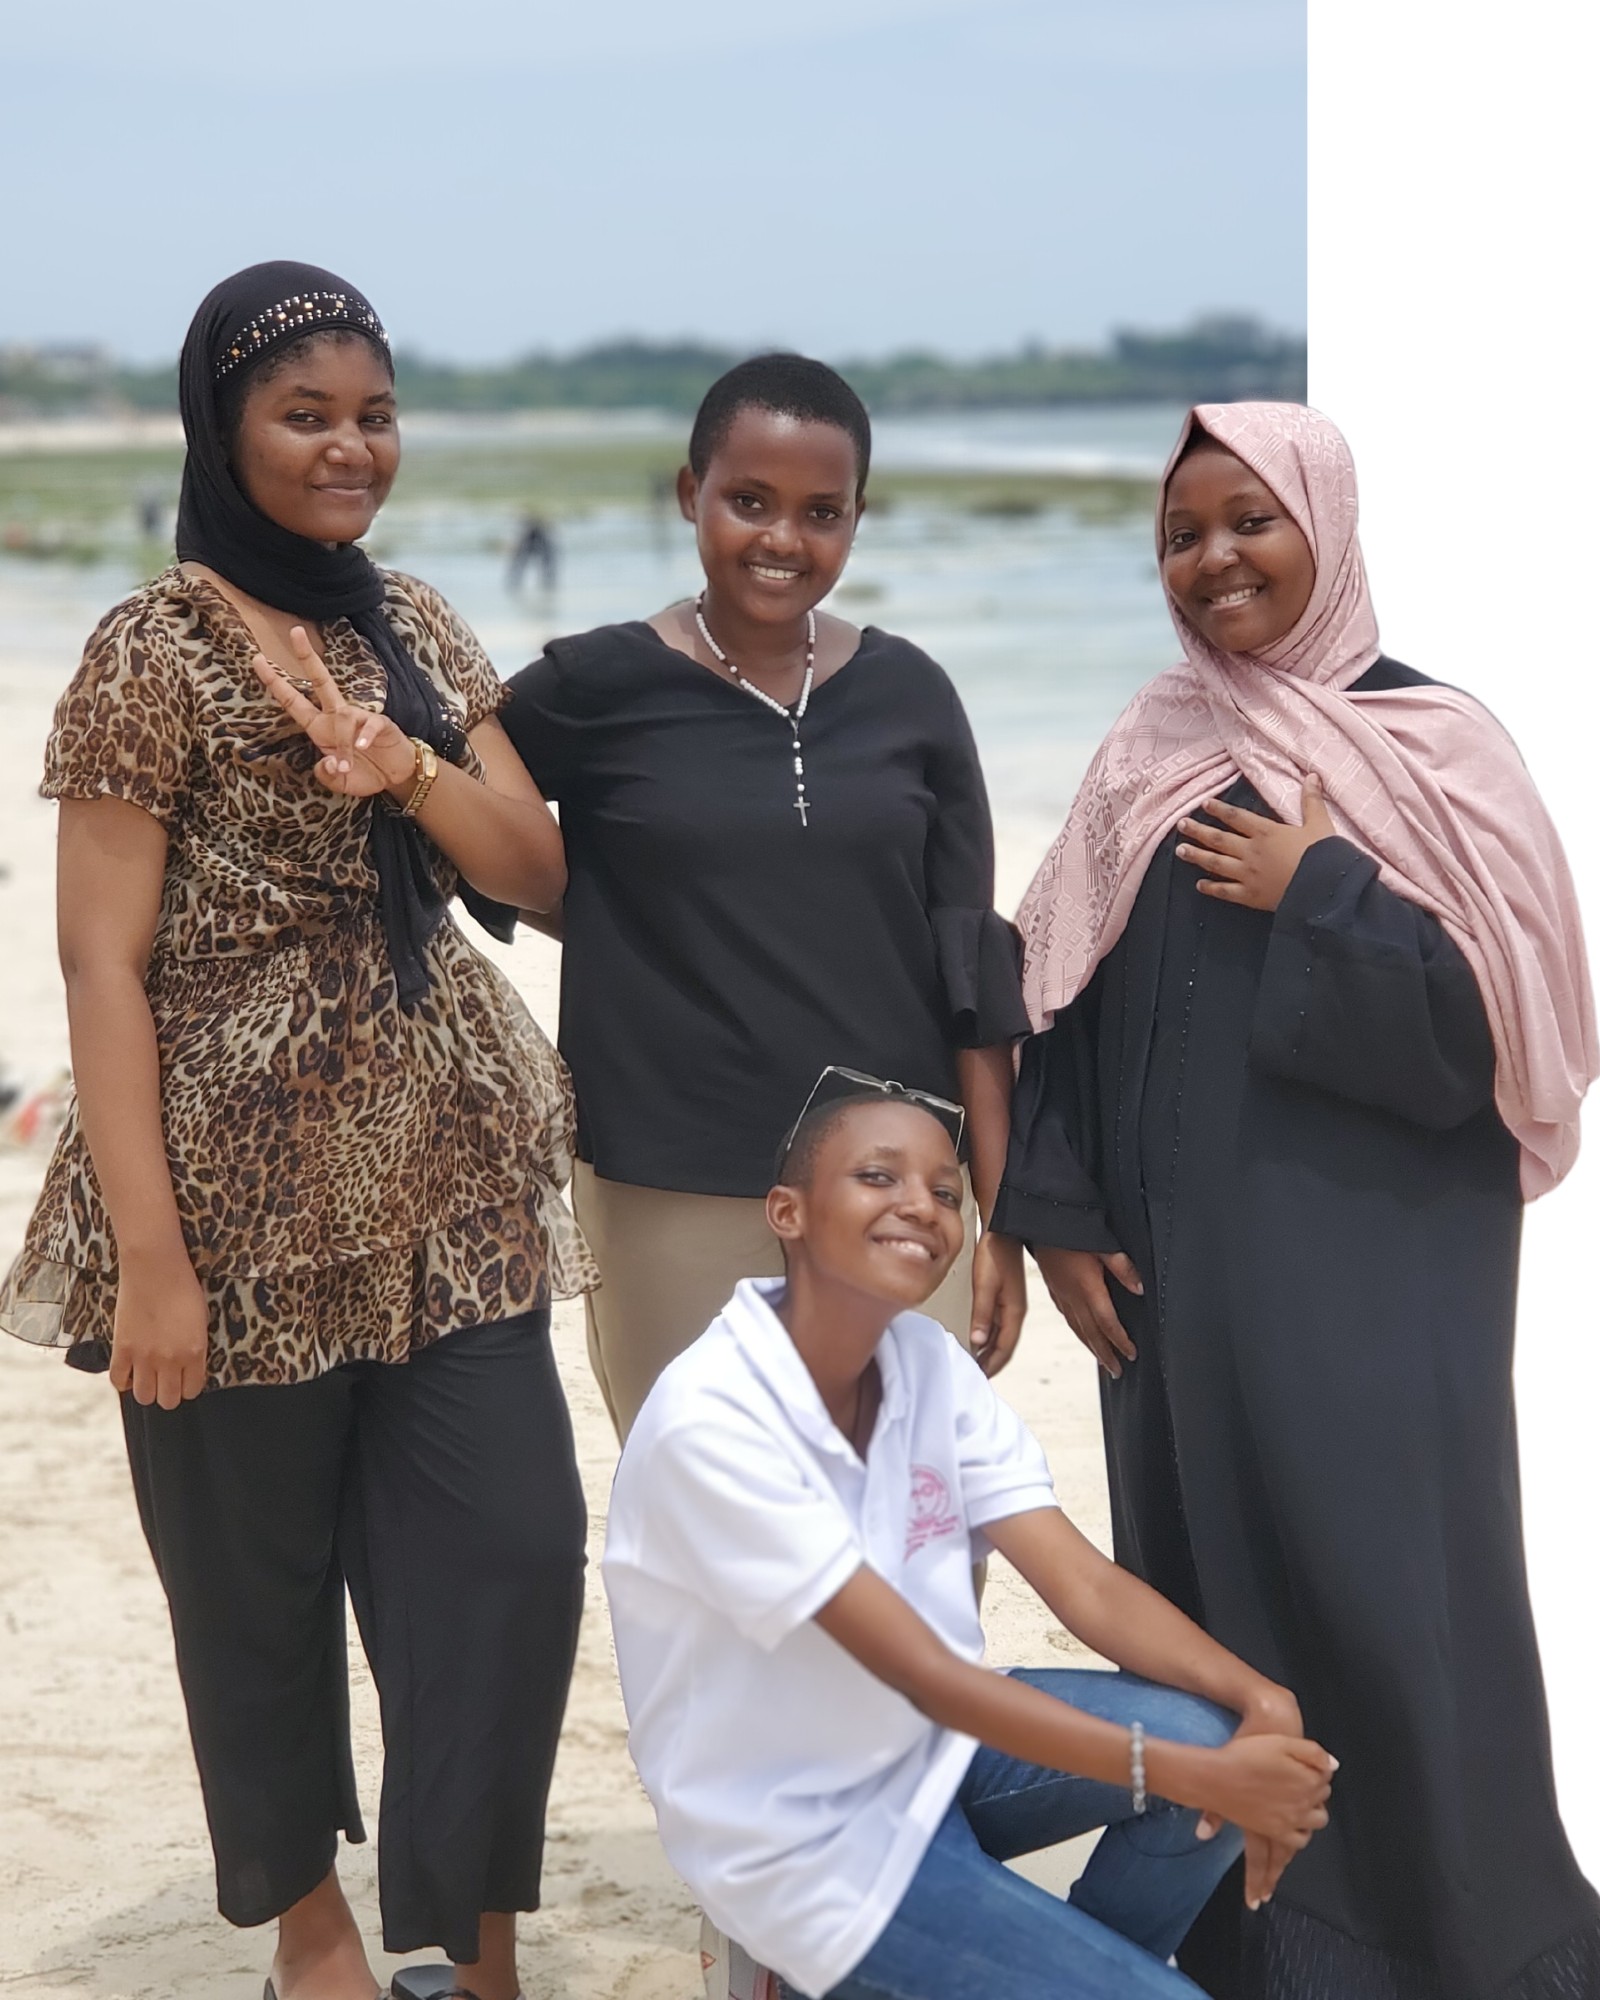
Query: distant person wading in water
{"points": [[535, 546], [306, 1208]]}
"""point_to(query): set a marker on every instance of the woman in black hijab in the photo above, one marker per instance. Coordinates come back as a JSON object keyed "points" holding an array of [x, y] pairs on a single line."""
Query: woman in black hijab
{"points": [[306, 1209]]}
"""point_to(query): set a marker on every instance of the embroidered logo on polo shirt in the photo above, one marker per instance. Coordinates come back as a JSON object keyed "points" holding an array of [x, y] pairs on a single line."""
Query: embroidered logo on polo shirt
{"points": [[931, 1512]]}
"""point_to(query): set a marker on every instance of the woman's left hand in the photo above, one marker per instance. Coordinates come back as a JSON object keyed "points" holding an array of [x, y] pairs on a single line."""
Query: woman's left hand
{"points": [[1250, 859], [999, 1300], [363, 753]]}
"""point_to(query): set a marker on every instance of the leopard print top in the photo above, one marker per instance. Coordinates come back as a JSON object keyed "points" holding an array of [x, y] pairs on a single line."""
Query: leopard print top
{"points": [[353, 1181]]}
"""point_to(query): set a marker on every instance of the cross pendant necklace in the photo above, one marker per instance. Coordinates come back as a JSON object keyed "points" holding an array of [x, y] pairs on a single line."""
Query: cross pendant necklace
{"points": [[793, 716]]}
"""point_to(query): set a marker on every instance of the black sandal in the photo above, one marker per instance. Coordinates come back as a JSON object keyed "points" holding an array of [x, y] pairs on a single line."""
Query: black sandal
{"points": [[430, 1982]]}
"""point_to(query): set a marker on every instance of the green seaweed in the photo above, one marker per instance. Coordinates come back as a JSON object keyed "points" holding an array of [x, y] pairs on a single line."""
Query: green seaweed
{"points": [[74, 505]]}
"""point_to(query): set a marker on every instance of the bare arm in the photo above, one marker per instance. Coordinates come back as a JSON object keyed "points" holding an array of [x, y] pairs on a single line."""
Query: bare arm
{"points": [[999, 1281], [1126, 1621], [110, 862], [1273, 1785], [986, 1076], [500, 834]]}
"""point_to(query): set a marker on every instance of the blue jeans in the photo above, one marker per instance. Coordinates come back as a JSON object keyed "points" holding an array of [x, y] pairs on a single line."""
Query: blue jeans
{"points": [[969, 1929]]}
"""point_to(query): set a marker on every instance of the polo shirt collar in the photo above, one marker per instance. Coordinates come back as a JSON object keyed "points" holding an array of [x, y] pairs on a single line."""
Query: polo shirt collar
{"points": [[764, 1341]]}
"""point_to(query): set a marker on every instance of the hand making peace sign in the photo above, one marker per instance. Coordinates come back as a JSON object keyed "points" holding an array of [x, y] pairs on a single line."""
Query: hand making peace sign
{"points": [[1251, 859], [363, 753]]}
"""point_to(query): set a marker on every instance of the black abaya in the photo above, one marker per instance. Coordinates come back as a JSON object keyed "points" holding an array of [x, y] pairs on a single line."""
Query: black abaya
{"points": [[1288, 1123]]}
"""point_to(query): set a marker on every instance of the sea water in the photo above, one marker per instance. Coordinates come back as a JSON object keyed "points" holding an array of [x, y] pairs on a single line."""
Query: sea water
{"points": [[1047, 621]]}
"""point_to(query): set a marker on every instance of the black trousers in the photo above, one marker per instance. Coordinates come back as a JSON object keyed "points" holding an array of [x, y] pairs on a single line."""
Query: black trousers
{"points": [[444, 1492]]}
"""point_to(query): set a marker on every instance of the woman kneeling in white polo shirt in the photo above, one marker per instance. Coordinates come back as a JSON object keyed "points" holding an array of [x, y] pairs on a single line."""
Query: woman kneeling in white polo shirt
{"points": [[789, 1562]]}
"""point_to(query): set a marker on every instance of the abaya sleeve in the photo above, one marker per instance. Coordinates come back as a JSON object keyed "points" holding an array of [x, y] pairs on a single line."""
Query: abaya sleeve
{"points": [[1048, 1198], [1365, 995]]}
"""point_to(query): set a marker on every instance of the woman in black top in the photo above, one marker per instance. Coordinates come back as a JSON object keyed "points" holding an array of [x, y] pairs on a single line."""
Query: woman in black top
{"points": [[780, 858]]}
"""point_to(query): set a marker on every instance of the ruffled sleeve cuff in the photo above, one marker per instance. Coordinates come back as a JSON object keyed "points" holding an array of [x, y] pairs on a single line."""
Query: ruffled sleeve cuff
{"points": [[498, 919], [980, 970]]}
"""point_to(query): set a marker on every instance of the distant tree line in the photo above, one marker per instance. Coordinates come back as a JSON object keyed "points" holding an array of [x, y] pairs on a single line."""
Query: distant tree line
{"points": [[1221, 358], [1215, 360]]}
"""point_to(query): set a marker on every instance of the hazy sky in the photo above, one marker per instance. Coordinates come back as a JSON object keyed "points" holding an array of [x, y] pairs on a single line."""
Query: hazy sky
{"points": [[847, 176]]}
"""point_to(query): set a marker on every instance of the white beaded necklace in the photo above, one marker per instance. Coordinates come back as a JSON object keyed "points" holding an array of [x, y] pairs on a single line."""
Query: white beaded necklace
{"points": [[793, 716]]}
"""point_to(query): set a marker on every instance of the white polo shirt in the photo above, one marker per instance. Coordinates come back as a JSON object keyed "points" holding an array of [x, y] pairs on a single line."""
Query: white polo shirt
{"points": [[796, 1793]]}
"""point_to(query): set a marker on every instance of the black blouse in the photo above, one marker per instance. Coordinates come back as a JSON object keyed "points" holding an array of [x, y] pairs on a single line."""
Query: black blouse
{"points": [[718, 953]]}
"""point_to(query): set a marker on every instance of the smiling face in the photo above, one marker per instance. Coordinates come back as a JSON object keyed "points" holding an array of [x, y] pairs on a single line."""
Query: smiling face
{"points": [[317, 444], [774, 514], [1237, 566], [880, 1209]]}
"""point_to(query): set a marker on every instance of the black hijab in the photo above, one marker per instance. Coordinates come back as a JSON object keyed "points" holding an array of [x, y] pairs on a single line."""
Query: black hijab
{"points": [[239, 323]]}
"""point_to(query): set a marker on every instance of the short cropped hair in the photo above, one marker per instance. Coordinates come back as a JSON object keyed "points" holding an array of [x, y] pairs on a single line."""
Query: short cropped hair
{"points": [[797, 1156], [789, 385]]}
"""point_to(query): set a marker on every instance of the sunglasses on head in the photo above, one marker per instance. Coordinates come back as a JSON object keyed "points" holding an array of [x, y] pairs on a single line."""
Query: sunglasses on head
{"points": [[836, 1081]]}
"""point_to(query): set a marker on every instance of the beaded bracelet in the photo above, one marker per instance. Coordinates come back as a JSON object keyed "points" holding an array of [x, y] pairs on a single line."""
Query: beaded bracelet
{"points": [[1136, 1766]]}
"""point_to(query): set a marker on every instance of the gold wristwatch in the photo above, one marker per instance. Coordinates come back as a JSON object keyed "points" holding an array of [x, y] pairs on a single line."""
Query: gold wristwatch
{"points": [[424, 770]]}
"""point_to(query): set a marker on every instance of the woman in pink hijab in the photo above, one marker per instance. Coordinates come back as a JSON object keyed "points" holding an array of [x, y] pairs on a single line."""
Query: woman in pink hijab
{"points": [[1313, 1021]]}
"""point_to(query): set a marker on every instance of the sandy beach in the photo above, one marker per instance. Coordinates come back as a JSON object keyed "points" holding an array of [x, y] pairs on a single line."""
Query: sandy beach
{"points": [[106, 1893]]}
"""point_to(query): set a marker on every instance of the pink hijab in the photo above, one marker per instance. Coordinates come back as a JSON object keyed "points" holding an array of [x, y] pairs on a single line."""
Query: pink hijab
{"points": [[1421, 778]]}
